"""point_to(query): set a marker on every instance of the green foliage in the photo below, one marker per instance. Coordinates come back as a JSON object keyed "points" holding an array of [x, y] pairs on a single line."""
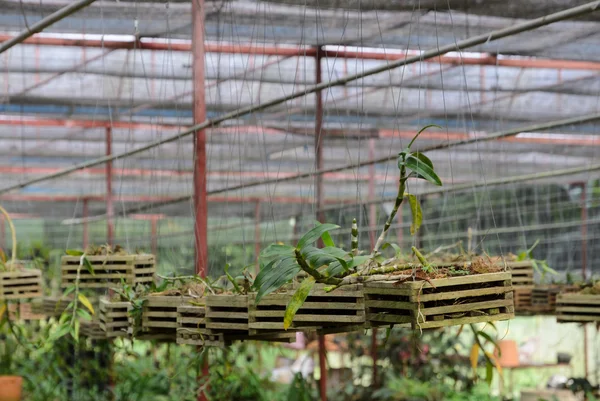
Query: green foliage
{"points": [[297, 301], [540, 266], [279, 264]]}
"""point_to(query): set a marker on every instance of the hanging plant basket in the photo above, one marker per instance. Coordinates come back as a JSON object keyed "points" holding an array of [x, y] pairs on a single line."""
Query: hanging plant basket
{"points": [[52, 306], [191, 327], [113, 317], [342, 310], [578, 308], [543, 297], [92, 330], [228, 315], [20, 283], [521, 273], [158, 318], [522, 297], [441, 302], [109, 270]]}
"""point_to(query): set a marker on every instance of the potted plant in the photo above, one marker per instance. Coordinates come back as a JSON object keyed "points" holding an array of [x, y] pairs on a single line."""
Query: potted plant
{"points": [[11, 385]]}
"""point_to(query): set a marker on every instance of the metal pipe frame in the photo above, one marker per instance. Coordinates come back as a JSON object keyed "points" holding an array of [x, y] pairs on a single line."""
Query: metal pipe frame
{"points": [[43, 24], [110, 227], [464, 44], [343, 52]]}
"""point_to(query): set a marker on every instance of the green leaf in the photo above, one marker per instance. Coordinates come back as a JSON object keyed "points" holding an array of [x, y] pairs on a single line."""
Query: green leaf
{"points": [[297, 301], [423, 159], [280, 273], [76, 330], [314, 234], [84, 314], [535, 244], [73, 252], [421, 131], [547, 268], [276, 250], [320, 257], [69, 290], [417, 213], [490, 339], [489, 373], [231, 279], [86, 302], [397, 249], [326, 237], [88, 266], [422, 170]]}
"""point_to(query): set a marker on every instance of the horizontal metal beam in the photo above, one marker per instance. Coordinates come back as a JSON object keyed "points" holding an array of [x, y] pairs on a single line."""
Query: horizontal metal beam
{"points": [[158, 199], [164, 44], [432, 53], [331, 133], [138, 172]]}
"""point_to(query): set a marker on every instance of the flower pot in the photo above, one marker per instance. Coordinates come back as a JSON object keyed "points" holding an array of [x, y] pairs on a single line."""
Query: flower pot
{"points": [[10, 388]]}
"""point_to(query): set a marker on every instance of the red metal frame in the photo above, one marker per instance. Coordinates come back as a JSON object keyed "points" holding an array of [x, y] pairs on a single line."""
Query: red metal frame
{"points": [[257, 234], [319, 134], [110, 228], [587, 140], [299, 51], [138, 172], [85, 214], [199, 111]]}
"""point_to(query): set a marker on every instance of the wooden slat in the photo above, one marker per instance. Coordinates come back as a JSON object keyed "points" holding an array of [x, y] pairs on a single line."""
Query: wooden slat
{"points": [[230, 326], [461, 294], [231, 301], [467, 320], [465, 307], [227, 315], [578, 299]]}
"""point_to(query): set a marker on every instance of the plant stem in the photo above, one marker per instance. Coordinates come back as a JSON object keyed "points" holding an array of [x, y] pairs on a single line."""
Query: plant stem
{"points": [[319, 278], [13, 234], [388, 223]]}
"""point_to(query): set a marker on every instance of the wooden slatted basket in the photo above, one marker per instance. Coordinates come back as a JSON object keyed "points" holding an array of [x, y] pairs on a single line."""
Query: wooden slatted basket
{"points": [[454, 301], [113, 317], [522, 298], [578, 308], [228, 315], [159, 318], [522, 272], [109, 270], [92, 330], [21, 284], [342, 310], [191, 327], [53, 306]]}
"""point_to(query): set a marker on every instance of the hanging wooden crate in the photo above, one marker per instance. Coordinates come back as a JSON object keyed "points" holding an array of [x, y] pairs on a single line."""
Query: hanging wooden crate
{"points": [[522, 272], [522, 298], [453, 301], [228, 315], [109, 270], [575, 307], [53, 306], [342, 310], [113, 317], [92, 330], [191, 327], [159, 318], [20, 284]]}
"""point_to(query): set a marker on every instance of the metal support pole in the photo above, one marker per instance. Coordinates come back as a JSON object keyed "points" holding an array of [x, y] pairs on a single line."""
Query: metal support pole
{"points": [[109, 193], [85, 223], [154, 236], [199, 111], [257, 234], [583, 200], [372, 225], [319, 201], [3, 234], [44, 23], [583, 230]]}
